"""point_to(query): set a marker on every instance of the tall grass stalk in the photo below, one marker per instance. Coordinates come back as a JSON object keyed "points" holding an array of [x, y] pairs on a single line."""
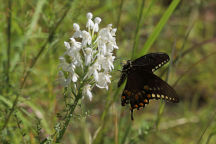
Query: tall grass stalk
{"points": [[119, 15], [210, 136], [9, 15], [140, 23], [162, 103], [159, 27], [211, 119], [136, 35], [185, 41]]}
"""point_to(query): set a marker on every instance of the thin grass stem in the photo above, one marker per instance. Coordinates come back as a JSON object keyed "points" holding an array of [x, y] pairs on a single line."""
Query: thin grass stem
{"points": [[211, 119], [192, 66], [188, 51], [159, 27], [136, 34], [9, 44]]}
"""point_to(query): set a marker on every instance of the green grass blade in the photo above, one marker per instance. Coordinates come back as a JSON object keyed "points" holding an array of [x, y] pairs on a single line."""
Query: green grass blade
{"points": [[159, 27], [140, 22], [137, 29]]}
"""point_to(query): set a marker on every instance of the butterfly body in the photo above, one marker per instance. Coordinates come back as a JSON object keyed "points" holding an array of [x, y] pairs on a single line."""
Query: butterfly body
{"points": [[142, 85]]}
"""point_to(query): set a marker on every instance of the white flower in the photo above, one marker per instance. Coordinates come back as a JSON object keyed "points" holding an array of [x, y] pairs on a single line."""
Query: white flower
{"points": [[87, 91], [103, 80], [75, 44], [63, 64], [109, 62], [113, 31], [62, 80], [97, 22], [76, 27], [93, 70], [105, 36], [102, 48], [74, 77], [110, 46], [86, 38], [74, 52], [90, 23], [89, 15], [78, 32], [88, 56], [106, 61], [72, 74], [71, 68], [67, 45]]}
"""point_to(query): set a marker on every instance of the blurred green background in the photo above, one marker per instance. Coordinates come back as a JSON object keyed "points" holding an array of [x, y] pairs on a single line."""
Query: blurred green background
{"points": [[32, 34]]}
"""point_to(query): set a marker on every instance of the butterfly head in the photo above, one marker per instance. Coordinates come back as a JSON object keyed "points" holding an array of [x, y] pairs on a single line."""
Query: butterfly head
{"points": [[127, 66], [125, 70]]}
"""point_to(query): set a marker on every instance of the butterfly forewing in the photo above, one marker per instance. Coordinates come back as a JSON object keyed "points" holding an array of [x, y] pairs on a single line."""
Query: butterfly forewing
{"points": [[151, 61]]}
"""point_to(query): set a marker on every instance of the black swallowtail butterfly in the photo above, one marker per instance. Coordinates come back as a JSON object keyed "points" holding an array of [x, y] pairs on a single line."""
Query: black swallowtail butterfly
{"points": [[142, 85]]}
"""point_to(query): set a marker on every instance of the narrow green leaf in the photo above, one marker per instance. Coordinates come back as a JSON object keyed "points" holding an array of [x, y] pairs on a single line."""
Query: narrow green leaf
{"points": [[159, 27]]}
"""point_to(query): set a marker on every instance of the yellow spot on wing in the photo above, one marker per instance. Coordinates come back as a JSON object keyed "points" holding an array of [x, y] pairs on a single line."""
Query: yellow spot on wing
{"points": [[141, 104], [158, 96], [153, 95], [145, 101]]}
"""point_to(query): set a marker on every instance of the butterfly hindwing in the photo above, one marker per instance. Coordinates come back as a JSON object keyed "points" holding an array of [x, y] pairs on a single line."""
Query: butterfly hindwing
{"points": [[142, 86]]}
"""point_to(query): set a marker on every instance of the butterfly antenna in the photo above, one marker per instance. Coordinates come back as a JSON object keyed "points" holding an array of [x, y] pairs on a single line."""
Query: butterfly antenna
{"points": [[132, 114]]}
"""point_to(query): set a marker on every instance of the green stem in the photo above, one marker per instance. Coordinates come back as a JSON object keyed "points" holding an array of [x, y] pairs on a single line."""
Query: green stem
{"points": [[9, 43], [68, 118], [119, 14], [211, 119], [137, 30]]}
